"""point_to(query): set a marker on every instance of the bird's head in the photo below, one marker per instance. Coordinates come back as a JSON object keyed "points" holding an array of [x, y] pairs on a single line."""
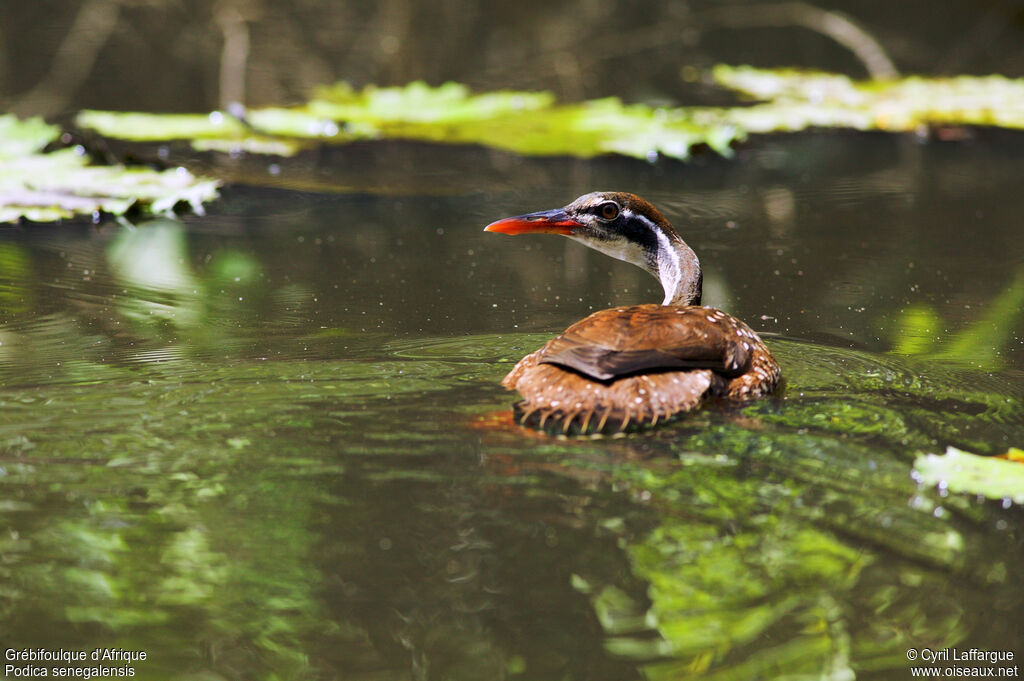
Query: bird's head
{"points": [[623, 226]]}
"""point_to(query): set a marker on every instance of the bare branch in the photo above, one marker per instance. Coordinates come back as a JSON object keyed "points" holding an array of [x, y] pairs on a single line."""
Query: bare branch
{"points": [[234, 54], [835, 25]]}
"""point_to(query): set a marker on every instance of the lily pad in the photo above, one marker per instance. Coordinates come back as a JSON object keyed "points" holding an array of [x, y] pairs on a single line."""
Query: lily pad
{"points": [[1014, 454], [61, 184], [21, 137], [532, 123], [418, 102], [216, 131], [963, 472], [800, 99], [158, 127], [44, 187], [528, 123]]}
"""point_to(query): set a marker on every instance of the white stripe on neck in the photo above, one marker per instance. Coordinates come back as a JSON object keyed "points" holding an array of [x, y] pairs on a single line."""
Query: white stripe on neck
{"points": [[669, 270]]}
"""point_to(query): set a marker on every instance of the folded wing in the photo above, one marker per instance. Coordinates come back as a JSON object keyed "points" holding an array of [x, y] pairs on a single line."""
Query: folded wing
{"points": [[623, 341]]}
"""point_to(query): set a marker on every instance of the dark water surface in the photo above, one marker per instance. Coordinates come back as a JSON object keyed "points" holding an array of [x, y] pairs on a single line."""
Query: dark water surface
{"points": [[270, 443]]}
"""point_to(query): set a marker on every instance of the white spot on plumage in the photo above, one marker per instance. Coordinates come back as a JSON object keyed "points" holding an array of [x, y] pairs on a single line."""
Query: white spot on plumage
{"points": [[603, 400]]}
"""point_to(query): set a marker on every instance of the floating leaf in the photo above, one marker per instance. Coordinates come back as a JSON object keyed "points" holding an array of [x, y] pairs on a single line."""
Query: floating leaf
{"points": [[418, 102], [527, 123], [216, 131], [531, 123], [47, 187], [1014, 454], [801, 99], [963, 472], [22, 137], [158, 127], [53, 186]]}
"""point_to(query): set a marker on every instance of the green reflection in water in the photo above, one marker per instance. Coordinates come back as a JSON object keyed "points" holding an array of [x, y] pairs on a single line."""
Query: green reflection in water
{"points": [[983, 342], [153, 259], [15, 280], [341, 509], [775, 550], [262, 511]]}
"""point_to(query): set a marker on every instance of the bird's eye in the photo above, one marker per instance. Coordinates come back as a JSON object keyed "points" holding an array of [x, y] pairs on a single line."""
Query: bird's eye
{"points": [[609, 210]]}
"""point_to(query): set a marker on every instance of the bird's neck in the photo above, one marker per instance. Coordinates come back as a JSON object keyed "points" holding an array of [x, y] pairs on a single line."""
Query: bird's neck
{"points": [[676, 266]]}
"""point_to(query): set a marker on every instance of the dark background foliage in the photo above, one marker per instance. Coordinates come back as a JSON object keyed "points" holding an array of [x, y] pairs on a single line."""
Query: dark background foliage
{"points": [[193, 55]]}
